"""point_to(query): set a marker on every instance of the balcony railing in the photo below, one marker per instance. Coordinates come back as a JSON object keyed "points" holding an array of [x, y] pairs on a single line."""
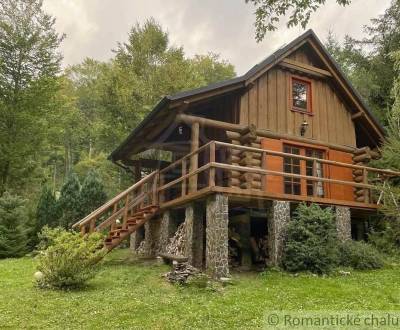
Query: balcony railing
{"points": [[210, 169]]}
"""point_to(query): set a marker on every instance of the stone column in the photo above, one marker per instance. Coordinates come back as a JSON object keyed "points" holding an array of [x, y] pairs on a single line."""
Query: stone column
{"points": [[343, 223], [135, 240], [166, 230], [217, 236], [152, 237], [194, 234], [277, 224]]}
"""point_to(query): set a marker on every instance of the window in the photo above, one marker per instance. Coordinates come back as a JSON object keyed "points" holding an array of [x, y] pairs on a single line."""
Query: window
{"points": [[301, 95], [291, 165], [293, 186]]}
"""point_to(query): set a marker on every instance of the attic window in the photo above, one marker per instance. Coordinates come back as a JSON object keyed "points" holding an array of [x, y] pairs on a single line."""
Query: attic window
{"points": [[301, 95]]}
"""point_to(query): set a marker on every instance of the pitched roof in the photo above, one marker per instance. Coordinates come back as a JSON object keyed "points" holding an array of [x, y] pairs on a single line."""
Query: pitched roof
{"points": [[240, 81]]}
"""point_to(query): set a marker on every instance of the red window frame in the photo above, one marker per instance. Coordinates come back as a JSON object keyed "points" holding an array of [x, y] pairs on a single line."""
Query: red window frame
{"points": [[308, 83]]}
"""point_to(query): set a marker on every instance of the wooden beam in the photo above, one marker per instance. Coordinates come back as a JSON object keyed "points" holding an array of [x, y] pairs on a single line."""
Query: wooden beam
{"points": [[194, 159], [357, 115], [305, 68], [260, 132]]}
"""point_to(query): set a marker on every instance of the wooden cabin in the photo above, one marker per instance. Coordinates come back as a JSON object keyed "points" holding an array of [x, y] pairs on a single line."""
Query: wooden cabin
{"points": [[231, 160]]}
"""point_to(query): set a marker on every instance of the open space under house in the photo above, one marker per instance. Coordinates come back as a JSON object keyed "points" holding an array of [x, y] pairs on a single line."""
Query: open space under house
{"points": [[241, 155]]}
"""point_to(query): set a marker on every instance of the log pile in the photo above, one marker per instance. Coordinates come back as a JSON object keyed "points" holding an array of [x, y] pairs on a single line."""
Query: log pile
{"points": [[181, 272], [362, 157], [238, 179]]}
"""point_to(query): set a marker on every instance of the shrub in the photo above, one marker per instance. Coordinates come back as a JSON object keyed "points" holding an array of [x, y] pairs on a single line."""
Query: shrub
{"points": [[13, 226], [67, 259], [311, 243], [360, 255]]}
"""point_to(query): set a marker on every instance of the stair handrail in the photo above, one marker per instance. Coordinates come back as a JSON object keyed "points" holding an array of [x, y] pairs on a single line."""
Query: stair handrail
{"points": [[112, 201]]}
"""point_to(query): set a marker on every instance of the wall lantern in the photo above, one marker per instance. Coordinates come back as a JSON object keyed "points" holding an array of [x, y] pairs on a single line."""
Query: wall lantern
{"points": [[303, 128]]}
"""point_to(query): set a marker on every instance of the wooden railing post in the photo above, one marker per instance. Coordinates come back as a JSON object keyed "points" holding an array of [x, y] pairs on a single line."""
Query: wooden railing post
{"points": [[315, 183], [125, 219], [184, 172], [92, 227], [154, 188], [264, 167], [211, 181], [161, 195], [194, 159], [366, 190]]}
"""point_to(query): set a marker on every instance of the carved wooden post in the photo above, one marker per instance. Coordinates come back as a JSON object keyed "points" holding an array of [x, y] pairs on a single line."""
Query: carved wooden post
{"points": [[194, 159]]}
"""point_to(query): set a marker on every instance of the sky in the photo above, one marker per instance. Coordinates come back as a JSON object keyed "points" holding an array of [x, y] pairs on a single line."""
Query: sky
{"points": [[94, 27]]}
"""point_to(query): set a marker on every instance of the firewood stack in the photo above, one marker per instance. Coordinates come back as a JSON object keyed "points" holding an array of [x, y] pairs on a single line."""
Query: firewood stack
{"points": [[362, 157], [239, 179]]}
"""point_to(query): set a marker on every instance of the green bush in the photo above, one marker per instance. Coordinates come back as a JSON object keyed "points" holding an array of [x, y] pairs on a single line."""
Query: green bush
{"points": [[360, 255], [311, 243], [67, 259]]}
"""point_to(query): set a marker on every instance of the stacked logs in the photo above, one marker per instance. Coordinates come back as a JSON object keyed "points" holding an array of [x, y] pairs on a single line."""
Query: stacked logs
{"points": [[239, 179], [362, 157]]}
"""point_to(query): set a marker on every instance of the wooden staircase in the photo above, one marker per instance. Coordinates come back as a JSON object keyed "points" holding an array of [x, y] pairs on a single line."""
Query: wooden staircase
{"points": [[125, 213]]}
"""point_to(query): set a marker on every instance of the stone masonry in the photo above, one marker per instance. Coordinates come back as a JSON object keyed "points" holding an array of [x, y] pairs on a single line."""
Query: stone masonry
{"points": [[194, 234], [152, 237], [166, 230], [217, 219], [277, 224], [343, 223]]}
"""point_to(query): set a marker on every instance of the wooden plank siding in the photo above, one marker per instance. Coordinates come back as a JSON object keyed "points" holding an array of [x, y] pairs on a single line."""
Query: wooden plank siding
{"points": [[266, 104]]}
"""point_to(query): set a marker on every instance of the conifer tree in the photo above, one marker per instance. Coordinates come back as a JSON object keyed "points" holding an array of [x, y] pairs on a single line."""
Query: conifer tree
{"points": [[68, 203], [13, 230], [46, 210], [92, 193]]}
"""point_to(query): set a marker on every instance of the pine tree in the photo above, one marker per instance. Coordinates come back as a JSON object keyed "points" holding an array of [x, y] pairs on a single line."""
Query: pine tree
{"points": [[13, 230], [92, 193], [68, 204], [46, 210]]}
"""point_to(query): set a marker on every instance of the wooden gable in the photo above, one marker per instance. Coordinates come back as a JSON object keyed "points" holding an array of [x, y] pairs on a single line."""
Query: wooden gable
{"points": [[267, 101]]}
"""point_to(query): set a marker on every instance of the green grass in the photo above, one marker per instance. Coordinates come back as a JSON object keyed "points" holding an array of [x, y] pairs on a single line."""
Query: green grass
{"points": [[132, 294]]}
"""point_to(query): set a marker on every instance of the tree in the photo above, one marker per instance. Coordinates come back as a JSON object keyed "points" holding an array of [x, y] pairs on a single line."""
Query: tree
{"points": [[92, 193], [29, 63], [13, 229], [269, 12], [369, 62], [311, 243], [46, 210], [69, 201]]}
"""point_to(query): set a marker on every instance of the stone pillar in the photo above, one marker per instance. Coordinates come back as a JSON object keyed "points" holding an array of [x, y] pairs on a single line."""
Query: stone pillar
{"points": [[343, 223], [194, 234], [166, 230], [152, 237], [217, 236], [135, 240], [277, 224]]}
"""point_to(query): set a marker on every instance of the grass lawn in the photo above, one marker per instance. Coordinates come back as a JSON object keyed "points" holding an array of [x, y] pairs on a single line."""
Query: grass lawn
{"points": [[131, 294]]}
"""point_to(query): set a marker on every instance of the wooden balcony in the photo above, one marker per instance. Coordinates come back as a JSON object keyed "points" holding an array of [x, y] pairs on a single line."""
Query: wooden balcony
{"points": [[209, 169]]}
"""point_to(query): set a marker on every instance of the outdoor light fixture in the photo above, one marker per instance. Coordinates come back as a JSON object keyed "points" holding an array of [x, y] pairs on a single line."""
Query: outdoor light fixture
{"points": [[303, 128]]}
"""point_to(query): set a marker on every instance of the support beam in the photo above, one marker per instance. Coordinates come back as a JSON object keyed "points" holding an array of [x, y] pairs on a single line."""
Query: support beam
{"points": [[277, 223], [217, 219], [152, 237], [194, 159]]}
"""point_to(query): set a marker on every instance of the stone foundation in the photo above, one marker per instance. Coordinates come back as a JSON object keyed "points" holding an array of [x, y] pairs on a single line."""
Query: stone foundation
{"points": [[217, 219], [152, 237], [343, 223], [277, 222], [167, 227], [194, 214]]}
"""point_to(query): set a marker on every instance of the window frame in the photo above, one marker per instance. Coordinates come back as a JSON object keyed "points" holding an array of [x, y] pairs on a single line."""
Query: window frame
{"points": [[308, 83], [303, 182]]}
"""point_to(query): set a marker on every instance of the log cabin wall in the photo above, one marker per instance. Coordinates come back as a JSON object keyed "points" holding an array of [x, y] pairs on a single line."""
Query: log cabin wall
{"points": [[267, 105]]}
